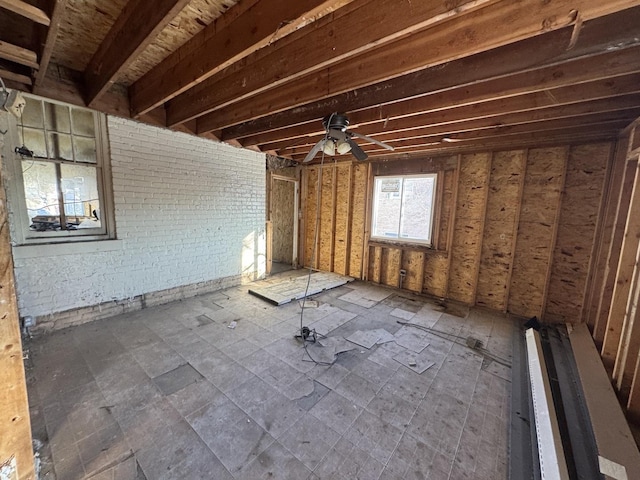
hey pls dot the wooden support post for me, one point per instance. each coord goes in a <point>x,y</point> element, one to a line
<point>377,264</point>
<point>347,240</point>
<point>630,341</point>
<point>438,209</point>
<point>364,270</point>
<point>597,239</point>
<point>334,202</point>
<point>452,221</point>
<point>269,228</point>
<point>304,176</point>
<point>613,186</point>
<point>613,254</point>
<point>554,234</point>
<point>15,439</point>
<point>622,288</point>
<point>516,225</point>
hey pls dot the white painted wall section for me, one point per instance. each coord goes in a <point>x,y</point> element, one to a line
<point>187,210</point>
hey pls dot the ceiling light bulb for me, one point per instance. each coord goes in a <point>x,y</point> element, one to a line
<point>343,147</point>
<point>329,147</point>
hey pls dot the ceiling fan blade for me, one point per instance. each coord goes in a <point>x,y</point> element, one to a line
<point>373,140</point>
<point>314,151</point>
<point>357,151</point>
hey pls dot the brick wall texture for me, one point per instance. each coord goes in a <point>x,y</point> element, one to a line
<point>188,211</point>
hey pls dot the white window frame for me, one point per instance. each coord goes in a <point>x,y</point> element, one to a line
<point>22,234</point>
<point>374,210</point>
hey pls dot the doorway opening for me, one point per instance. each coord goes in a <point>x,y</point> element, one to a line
<point>283,221</point>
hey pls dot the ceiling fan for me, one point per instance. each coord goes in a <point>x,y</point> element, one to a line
<point>339,140</point>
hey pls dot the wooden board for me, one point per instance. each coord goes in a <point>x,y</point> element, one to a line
<point>435,275</point>
<point>311,179</point>
<point>341,230</point>
<point>326,220</point>
<point>583,189</point>
<point>294,288</point>
<point>507,169</point>
<point>281,209</point>
<point>542,184</point>
<point>468,226</point>
<point>358,202</point>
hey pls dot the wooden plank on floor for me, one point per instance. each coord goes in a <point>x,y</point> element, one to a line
<point>291,289</point>
<point>616,446</point>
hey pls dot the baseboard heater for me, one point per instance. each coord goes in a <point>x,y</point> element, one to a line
<point>566,422</point>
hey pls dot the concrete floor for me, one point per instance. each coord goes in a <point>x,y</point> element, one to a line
<point>172,393</point>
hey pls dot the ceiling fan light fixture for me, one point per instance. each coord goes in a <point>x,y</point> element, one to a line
<point>329,147</point>
<point>342,146</point>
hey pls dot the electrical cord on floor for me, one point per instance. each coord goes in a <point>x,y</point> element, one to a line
<point>449,336</point>
<point>314,251</point>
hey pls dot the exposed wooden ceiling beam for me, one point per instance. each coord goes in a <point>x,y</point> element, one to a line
<point>20,55</point>
<point>136,27</point>
<point>546,136</point>
<point>369,24</point>
<point>599,35</point>
<point>462,35</point>
<point>16,77</point>
<point>574,99</point>
<point>57,13</point>
<point>26,10</point>
<point>254,25</point>
<point>552,118</point>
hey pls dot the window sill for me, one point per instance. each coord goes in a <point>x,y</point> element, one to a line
<point>70,248</point>
<point>419,247</point>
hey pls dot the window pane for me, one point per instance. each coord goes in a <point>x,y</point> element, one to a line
<point>57,118</point>
<point>417,195</point>
<point>83,122</point>
<point>34,141</point>
<point>387,208</point>
<point>32,114</point>
<point>41,194</point>
<point>60,146</point>
<point>85,149</point>
<point>80,192</point>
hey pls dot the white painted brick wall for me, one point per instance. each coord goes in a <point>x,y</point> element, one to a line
<point>184,206</point>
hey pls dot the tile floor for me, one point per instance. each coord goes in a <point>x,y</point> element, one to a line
<point>172,393</point>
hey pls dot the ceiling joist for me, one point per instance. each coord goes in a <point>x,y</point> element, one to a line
<point>19,55</point>
<point>219,45</point>
<point>138,24</point>
<point>460,36</point>
<point>57,13</point>
<point>370,23</point>
<point>26,10</point>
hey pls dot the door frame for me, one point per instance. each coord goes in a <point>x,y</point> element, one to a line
<point>296,219</point>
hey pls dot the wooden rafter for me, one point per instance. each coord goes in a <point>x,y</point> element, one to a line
<point>254,25</point>
<point>581,99</point>
<point>16,77</point>
<point>368,24</point>
<point>57,13</point>
<point>18,54</point>
<point>26,10</point>
<point>473,32</point>
<point>136,27</point>
<point>600,38</point>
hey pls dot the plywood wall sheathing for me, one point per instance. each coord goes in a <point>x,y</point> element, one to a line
<point>341,232</point>
<point>310,183</point>
<point>503,208</point>
<point>469,221</point>
<point>358,207</point>
<point>601,270</point>
<point>326,220</point>
<point>281,208</point>
<point>583,187</point>
<point>448,190</point>
<point>435,274</point>
<point>541,194</point>
<point>413,264</point>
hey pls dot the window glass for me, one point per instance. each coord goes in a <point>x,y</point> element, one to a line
<point>62,181</point>
<point>403,208</point>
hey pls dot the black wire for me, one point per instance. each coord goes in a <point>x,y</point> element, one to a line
<point>438,333</point>
<point>315,246</point>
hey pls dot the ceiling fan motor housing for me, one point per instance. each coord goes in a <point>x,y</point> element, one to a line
<point>336,121</point>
